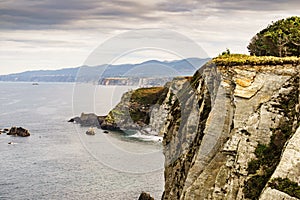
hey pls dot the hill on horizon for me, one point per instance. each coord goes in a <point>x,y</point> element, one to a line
<point>151,68</point>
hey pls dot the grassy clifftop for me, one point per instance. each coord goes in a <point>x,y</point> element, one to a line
<point>242,59</point>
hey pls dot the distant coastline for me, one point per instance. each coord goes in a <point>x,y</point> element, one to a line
<point>149,73</point>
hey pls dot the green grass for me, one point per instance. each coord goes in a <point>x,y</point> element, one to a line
<point>242,59</point>
<point>147,95</point>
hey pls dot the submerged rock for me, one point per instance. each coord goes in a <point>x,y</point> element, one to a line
<point>22,132</point>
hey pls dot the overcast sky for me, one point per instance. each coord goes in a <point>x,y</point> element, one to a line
<point>51,34</point>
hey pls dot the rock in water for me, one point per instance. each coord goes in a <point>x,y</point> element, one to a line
<point>11,143</point>
<point>145,196</point>
<point>90,131</point>
<point>22,132</point>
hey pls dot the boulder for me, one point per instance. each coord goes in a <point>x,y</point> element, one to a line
<point>145,196</point>
<point>22,132</point>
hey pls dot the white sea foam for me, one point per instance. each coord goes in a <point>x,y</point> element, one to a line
<point>147,137</point>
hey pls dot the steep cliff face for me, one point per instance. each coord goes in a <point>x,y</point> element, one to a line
<point>232,133</point>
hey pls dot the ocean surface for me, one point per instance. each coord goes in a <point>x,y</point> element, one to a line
<point>58,160</point>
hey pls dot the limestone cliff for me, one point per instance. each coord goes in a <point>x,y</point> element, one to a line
<point>232,132</point>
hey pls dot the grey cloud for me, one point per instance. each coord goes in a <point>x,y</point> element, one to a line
<point>177,6</point>
<point>43,14</point>
<point>39,41</point>
<point>229,5</point>
<point>255,5</point>
<point>66,14</point>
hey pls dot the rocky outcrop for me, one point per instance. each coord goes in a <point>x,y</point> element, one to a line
<point>18,132</point>
<point>88,120</point>
<point>134,112</point>
<point>92,120</point>
<point>135,109</point>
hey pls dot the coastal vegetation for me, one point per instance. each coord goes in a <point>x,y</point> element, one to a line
<point>281,38</point>
<point>141,100</point>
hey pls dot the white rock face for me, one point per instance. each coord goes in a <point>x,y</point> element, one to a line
<point>246,106</point>
<point>289,166</point>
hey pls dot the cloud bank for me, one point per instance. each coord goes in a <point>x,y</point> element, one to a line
<point>54,33</point>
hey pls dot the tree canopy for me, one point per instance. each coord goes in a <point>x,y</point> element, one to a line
<point>281,38</point>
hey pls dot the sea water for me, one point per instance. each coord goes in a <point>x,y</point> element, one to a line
<point>58,160</point>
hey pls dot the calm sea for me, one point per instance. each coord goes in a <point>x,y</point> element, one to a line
<point>58,160</point>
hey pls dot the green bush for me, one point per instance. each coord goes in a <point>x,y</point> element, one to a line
<point>287,186</point>
<point>254,186</point>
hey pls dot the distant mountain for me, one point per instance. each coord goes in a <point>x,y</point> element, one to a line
<point>151,68</point>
